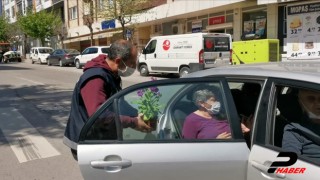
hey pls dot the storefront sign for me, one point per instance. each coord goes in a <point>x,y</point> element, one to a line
<point>217,20</point>
<point>108,24</point>
<point>303,31</point>
<point>196,26</point>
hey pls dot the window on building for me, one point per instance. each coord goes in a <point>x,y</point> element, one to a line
<point>73,12</point>
<point>8,13</point>
<point>158,28</point>
<point>254,25</point>
<point>13,12</point>
<point>20,9</point>
<point>101,4</point>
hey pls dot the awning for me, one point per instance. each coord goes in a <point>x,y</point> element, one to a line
<point>96,36</point>
<point>220,26</point>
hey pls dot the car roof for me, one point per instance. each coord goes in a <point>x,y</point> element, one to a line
<point>42,47</point>
<point>99,46</point>
<point>295,70</point>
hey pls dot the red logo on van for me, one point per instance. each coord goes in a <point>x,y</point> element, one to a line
<point>209,44</point>
<point>166,45</point>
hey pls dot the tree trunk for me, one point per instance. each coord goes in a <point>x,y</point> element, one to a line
<point>91,34</point>
<point>42,41</point>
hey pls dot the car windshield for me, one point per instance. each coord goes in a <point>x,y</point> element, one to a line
<point>45,50</point>
<point>73,51</point>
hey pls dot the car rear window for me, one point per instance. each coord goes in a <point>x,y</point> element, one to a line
<point>214,44</point>
<point>105,50</point>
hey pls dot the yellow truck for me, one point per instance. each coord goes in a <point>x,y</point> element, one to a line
<point>255,51</point>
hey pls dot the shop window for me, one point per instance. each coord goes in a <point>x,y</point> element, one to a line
<point>254,25</point>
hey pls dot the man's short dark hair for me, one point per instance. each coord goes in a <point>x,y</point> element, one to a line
<point>122,49</point>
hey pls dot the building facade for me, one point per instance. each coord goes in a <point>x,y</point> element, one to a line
<point>241,18</point>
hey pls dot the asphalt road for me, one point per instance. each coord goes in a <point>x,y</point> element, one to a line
<point>34,107</point>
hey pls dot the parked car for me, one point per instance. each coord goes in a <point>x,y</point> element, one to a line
<point>40,54</point>
<point>124,153</point>
<point>11,56</point>
<point>90,53</point>
<point>62,57</point>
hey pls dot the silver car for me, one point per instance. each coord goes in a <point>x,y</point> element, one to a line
<point>267,92</point>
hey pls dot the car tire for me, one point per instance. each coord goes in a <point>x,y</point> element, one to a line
<point>78,65</point>
<point>184,71</point>
<point>32,62</point>
<point>61,63</point>
<point>39,61</point>
<point>144,70</point>
<point>48,62</point>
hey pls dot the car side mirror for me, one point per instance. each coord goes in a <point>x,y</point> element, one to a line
<point>144,51</point>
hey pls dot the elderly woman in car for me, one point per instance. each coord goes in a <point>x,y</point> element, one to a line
<point>207,122</point>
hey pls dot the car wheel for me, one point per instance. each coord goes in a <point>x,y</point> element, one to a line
<point>184,71</point>
<point>144,70</point>
<point>78,66</point>
<point>19,60</point>
<point>39,61</point>
<point>48,62</point>
<point>60,63</point>
<point>32,62</point>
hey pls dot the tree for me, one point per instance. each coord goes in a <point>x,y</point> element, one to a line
<point>88,17</point>
<point>4,29</point>
<point>122,11</point>
<point>40,25</point>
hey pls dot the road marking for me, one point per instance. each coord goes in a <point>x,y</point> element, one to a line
<point>34,82</point>
<point>25,141</point>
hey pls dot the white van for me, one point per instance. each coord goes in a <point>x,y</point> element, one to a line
<point>40,54</point>
<point>185,53</point>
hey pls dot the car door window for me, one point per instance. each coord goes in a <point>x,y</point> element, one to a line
<point>296,121</point>
<point>172,112</point>
<point>59,52</point>
<point>151,48</point>
<point>105,50</point>
<point>93,50</point>
<point>86,51</point>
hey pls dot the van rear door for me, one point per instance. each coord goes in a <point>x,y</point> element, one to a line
<point>217,50</point>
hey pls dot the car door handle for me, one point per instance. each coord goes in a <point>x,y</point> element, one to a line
<point>264,169</point>
<point>100,164</point>
<point>155,55</point>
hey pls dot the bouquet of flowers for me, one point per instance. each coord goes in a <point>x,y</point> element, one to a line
<point>148,104</point>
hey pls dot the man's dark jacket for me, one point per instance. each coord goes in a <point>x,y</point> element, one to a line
<point>78,114</point>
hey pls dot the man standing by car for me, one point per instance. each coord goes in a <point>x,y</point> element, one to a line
<point>97,84</point>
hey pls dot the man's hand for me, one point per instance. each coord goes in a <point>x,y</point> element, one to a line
<point>141,125</point>
<point>246,123</point>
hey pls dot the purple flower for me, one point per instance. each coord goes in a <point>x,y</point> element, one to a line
<point>154,89</point>
<point>140,92</point>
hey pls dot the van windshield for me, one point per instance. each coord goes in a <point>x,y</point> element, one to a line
<point>45,50</point>
<point>214,44</point>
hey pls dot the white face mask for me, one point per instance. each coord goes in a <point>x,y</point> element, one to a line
<point>128,71</point>
<point>215,108</point>
<point>311,115</point>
